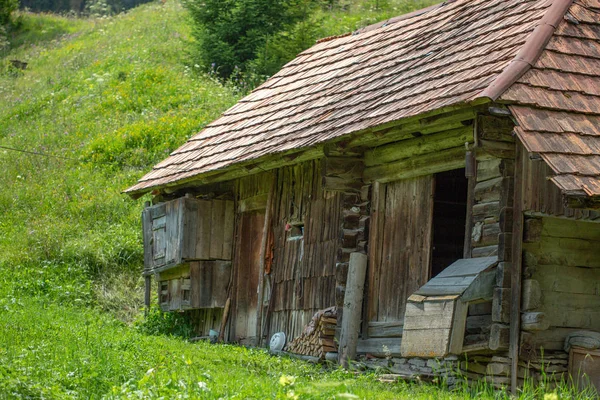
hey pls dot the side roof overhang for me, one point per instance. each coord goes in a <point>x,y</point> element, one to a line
<point>407,70</point>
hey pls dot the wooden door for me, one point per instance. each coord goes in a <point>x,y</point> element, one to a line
<point>400,245</point>
<point>247,264</point>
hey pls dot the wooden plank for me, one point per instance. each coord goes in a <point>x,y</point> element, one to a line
<point>221,276</point>
<point>189,227</point>
<point>584,367</point>
<point>428,314</point>
<point>425,343</point>
<point>446,286</point>
<point>472,181</point>
<point>147,239</point>
<point>375,249</point>
<point>216,229</point>
<point>263,254</point>
<point>379,347</point>
<point>517,257</point>
<point>428,328</point>
<point>486,251</point>
<point>174,294</point>
<point>379,329</point>
<point>466,267</point>
<point>357,270</point>
<point>247,265</point>
<point>459,322</point>
<point>405,245</point>
<point>147,292</point>
<point>203,229</point>
<point>228,223</point>
<point>481,289</point>
<point>179,271</point>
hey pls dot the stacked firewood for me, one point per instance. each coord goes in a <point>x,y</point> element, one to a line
<point>317,338</point>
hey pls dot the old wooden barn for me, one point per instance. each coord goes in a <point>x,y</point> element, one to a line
<point>429,182</point>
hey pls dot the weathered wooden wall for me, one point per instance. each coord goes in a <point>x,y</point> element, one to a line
<point>205,320</point>
<point>542,196</point>
<point>403,247</point>
<point>561,275</point>
<point>302,277</point>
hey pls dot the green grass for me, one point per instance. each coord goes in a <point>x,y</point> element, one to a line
<point>100,102</point>
<point>111,97</point>
<point>52,351</point>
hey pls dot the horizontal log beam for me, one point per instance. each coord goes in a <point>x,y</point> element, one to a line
<point>426,164</point>
<point>420,145</point>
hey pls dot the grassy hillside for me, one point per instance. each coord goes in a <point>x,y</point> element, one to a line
<point>107,99</point>
<point>100,102</point>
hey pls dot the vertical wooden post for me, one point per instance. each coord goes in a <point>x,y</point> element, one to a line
<point>147,293</point>
<point>373,250</point>
<point>221,336</point>
<point>353,297</point>
<point>147,231</point>
<point>472,181</point>
<point>263,253</point>
<point>517,258</point>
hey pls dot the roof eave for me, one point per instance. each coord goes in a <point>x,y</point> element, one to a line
<point>253,166</point>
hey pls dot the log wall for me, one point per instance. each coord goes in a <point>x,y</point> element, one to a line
<point>491,221</point>
<point>561,281</point>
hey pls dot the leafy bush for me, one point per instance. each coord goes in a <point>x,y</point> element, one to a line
<point>7,7</point>
<point>157,322</point>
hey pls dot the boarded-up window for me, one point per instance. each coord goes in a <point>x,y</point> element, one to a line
<point>186,229</point>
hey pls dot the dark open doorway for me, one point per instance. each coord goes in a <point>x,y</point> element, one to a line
<point>449,216</point>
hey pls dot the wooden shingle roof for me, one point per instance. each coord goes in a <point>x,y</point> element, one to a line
<point>557,102</point>
<point>446,55</point>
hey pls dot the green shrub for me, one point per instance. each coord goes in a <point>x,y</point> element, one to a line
<point>156,322</point>
<point>231,33</point>
<point>7,7</point>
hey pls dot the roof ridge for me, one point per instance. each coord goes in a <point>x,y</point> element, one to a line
<point>386,22</point>
<point>531,50</point>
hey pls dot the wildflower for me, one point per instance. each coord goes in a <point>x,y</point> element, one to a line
<point>292,395</point>
<point>286,380</point>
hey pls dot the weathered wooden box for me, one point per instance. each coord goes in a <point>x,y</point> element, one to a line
<point>435,318</point>
<point>186,229</point>
<point>584,367</point>
<point>198,284</point>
